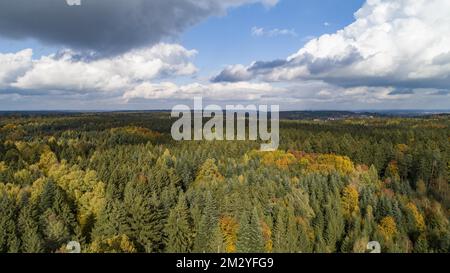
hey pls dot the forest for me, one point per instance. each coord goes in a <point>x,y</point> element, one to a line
<point>118,183</point>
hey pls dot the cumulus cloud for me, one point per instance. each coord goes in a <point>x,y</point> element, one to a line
<point>402,43</point>
<point>233,73</point>
<point>395,55</point>
<point>216,91</point>
<point>107,26</point>
<point>299,95</point>
<point>14,65</point>
<point>67,71</point>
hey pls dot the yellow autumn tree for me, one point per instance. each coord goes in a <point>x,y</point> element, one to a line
<point>418,217</point>
<point>392,170</point>
<point>11,190</point>
<point>324,163</point>
<point>350,201</point>
<point>229,227</point>
<point>267,236</point>
<point>280,159</point>
<point>387,228</point>
<point>116,244</point>
<point>81,186</point>
<point>341,164</point>
<point>208,174</point>
<point>3,166</point>
<point>47,161</point>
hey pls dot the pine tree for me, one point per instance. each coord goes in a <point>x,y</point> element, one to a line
<point>146,217</point>
<point>205,241</point>
<point>334,224</point>
<point>304,243</point>
<point>57,217</point>
<point>319,244</point>
<point>112,221</point>
<point>279,234</point>
<point>178,228</point>
<point>291,232</point>
<point>421,244</point>
<point>164,174</point>
<point>250,239</point>
<point>31,238</point>
<point>8,233</point>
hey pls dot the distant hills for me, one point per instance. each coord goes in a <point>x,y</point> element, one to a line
<point>290,115</point>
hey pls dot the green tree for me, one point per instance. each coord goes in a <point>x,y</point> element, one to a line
<point>9,241</point>
<point>250,239</point>
<point>279,234</point>
<point>205,241</point>
<point>146,217</point>
<point>178,228</point>
<point>31,238</point>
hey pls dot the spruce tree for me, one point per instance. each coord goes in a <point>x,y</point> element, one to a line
<point>111,222</point>
<point>250,239</point>
<point>209,222</point>
<point>9,241</point>
<point>178,228</point>
<point>31,238</point>
<point>291,232</point>
<point>279,234</point>
<point>146,217</point>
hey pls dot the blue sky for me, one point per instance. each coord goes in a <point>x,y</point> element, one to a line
<point>300,54</point>
<point>227,39</point>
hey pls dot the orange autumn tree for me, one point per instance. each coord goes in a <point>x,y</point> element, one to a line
<point>267,235</point>
<point>280,159</point>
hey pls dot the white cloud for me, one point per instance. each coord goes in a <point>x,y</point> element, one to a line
<point>402,43</point>
<point>216,91</point>
<point>395,55</point>
<point>69,72</point>
<point>261,32</point>
<point>300,95</point>
<point>14,65</point>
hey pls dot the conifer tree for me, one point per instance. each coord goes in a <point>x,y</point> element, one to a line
<point>31,238</point>
<point>9,241</point>
<point>178,228</point>
<point>146,217</point>
<point>279,234</point>
<point>250,239</point>
<point>209,223</point>
<point>112,221</point>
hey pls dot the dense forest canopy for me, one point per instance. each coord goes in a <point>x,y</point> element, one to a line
<point>117,182</point>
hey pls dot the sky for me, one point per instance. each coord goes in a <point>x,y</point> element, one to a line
<point>155,54</point>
